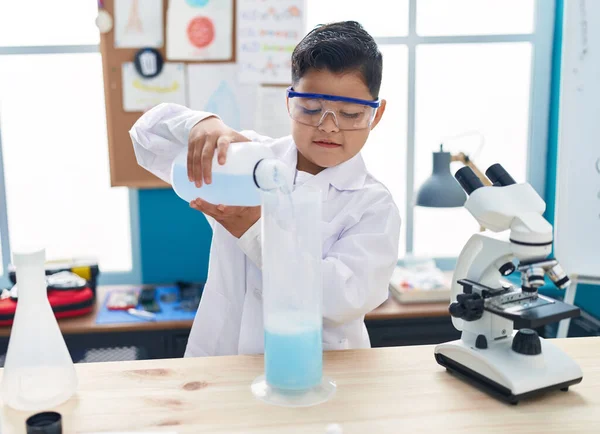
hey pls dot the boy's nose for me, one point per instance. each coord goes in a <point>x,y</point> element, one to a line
<point>329,123</point>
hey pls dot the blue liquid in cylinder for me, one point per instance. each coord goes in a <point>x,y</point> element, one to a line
<point>225,188</point>
<point>293,353</point>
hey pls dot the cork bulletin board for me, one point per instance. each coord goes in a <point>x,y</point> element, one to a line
<point>250,44</point>
<point>124,170</point>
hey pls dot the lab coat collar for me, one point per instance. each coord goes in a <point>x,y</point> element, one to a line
<point>350,175</point>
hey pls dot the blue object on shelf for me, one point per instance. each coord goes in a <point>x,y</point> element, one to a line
<point>168,311</point>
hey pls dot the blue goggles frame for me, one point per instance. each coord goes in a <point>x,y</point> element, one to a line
<point>291,93</point>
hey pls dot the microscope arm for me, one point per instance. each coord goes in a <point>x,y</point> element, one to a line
<point>485,259</point>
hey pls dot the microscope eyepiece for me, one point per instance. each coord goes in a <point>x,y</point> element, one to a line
<point>468,180</point>
<point>499,176</point>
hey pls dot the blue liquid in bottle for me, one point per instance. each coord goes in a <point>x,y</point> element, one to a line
<point>225,188</point>
<point>293,352</point>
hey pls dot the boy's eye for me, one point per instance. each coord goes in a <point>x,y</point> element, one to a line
<point>307,111</point>
<point>352,115</point>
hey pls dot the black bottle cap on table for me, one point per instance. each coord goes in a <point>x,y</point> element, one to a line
<point>48,422</point>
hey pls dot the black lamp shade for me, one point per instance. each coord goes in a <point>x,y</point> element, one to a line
<point>441,190</point>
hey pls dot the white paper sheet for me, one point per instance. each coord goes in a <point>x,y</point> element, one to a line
<point>200,30</point>
<point>268,32</point>
<point>140,94</point>
<point>216,89</point>
<point>272,118</point>
<point>138,23</point>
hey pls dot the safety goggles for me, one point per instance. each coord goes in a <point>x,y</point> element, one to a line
<point>347,113</point>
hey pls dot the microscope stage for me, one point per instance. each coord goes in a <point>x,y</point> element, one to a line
<point>534,313</point>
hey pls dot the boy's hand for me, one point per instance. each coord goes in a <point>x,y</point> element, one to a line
<point>205,137</point>
<point>235,219</point>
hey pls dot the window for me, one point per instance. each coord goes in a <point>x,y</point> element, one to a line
<point>475,17</point>
<point>372,17</point>
<point>55,169</point>
<point>39,22</point>
<point>472,74</point>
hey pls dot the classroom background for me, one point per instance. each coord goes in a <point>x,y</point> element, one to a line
<point>482,78</point>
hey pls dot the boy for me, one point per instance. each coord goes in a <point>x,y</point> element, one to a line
<point>336,76</point>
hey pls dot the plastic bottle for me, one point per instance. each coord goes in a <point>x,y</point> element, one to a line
<point>38,371</point>
<point>249,168</point>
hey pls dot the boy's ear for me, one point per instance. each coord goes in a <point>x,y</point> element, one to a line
<point>379,113</point>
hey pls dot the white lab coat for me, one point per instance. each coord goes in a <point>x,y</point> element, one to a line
<point>360,232</point>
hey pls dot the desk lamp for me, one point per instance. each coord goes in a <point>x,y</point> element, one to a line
<point>441,190</point>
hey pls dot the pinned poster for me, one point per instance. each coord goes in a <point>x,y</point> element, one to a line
<point>138,25</point>
<point>217,89</point>
<point>268,32</point>
<point>273,119</point>
<point>200,30</point>
<point>141,94</point>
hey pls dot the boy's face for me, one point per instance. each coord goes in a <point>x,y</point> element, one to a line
<point>326,145</point>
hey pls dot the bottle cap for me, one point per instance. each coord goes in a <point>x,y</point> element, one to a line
<point>48,422</point>
<point>270,174</point>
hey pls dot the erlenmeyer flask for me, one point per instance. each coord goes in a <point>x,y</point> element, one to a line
<point>38,371</point>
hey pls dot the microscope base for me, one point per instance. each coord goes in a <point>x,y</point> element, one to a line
<point>509,376</point>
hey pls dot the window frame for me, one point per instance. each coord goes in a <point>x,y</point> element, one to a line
<point>134,276</point>
<point>539,102</point>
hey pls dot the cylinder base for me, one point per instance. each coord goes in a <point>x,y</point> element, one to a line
<point>288,398</point>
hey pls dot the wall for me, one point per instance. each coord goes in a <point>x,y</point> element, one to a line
<point>174,238</point>
<point>588,296</point>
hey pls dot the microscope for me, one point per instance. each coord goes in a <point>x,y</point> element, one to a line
<point>499,350</point>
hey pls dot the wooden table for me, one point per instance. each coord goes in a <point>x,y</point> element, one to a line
<point>392,309</point>
<point>386,390</point>
<point>390,324</point>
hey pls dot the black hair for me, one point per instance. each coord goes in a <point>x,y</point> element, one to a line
<point>339,47</point>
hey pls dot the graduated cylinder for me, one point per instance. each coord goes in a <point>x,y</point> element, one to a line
<point>292,288</point>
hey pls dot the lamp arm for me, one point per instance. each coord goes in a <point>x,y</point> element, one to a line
<point>464,159</point>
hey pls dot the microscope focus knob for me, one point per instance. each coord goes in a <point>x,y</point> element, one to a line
<point>527,342</point>
<point>457,310</point>
<point>469,307</point>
